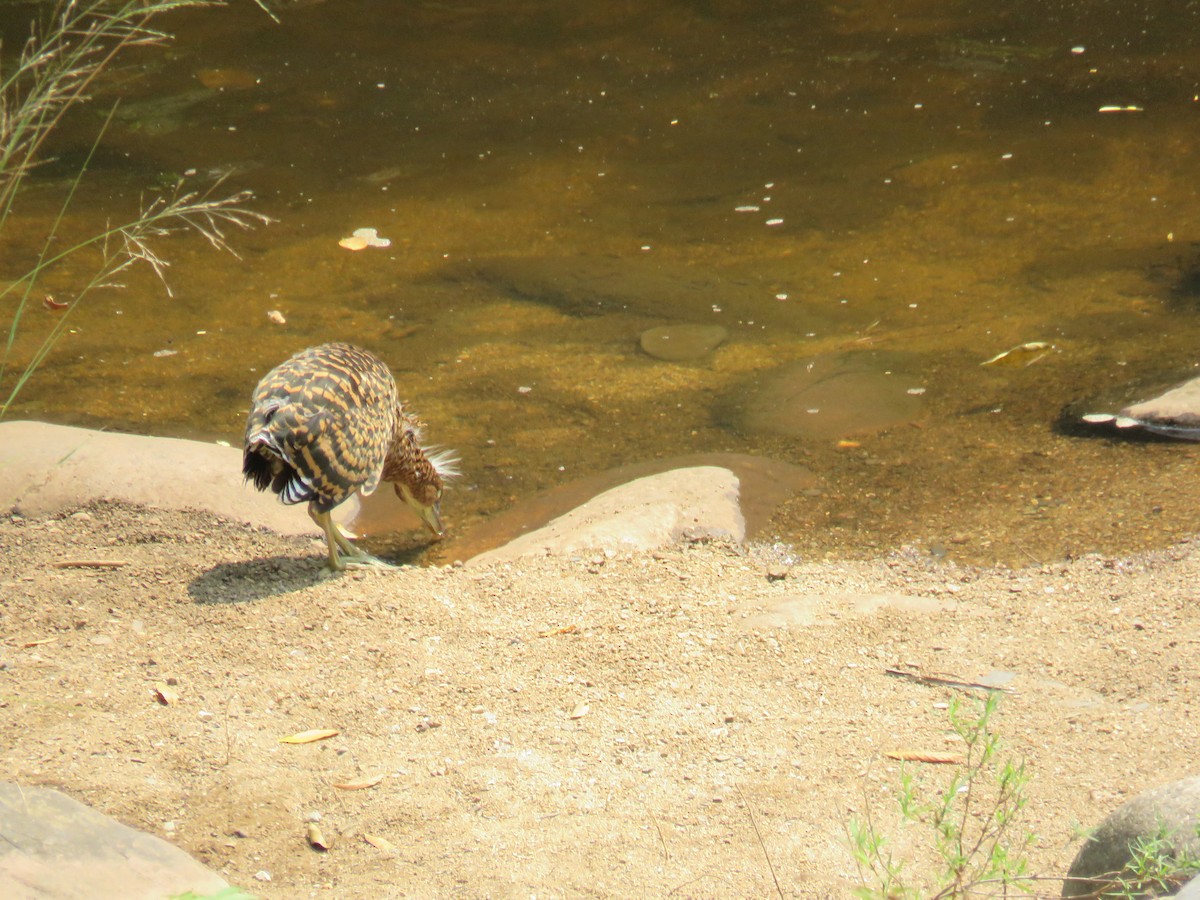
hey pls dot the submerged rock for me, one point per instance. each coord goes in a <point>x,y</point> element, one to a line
<point>831,396</point>
<point>679,343</point>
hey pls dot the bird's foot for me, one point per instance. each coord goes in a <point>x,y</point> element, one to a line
<point>360,559</point>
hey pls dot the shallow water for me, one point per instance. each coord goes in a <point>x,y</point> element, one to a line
<point>556,178</point>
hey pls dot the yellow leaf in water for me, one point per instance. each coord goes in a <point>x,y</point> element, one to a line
<point>307,737</point>
<point>1021,355</point>
<point>381,843</point>
<point>360,784</point>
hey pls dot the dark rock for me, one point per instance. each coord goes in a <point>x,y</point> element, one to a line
<point>55,847</point>
<point>1170,812</point>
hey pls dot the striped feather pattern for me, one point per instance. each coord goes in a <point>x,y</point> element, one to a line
<point>320,426</point>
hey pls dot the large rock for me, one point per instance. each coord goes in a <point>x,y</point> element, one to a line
<point>648,513</point>
<point>47,468</point>
<point>56,848</point>
<point>763,484</point>
<point>1173,413</point>
<point>1171,811</point>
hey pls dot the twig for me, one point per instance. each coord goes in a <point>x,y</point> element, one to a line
<point>762,846</point>
<point>949,682</point>
<point>90,564</point>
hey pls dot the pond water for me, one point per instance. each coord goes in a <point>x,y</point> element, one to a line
<point>904,189</point>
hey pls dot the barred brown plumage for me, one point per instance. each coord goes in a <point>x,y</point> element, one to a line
<point>328,422</point>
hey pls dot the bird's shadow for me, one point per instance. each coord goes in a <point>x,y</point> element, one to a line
<point>255,579</point>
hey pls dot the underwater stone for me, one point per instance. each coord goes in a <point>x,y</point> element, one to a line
<point>678,343</point>
<point>831,396</point>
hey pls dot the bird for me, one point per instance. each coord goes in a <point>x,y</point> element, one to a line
<point>327,423</point>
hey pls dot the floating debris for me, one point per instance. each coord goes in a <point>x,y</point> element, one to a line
<point>227,79</point>
<point>163,353</point>
<point>363,238</point>
<point>1113,109</point>
<point>276,316</point>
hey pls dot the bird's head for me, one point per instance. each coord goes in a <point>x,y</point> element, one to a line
<point>425,497</point>
<point>420,482</point>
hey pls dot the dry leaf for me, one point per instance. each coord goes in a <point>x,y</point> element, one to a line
<point>307,737</point>
<point>316,838</point>
<point>580,711</point>
<point>926,756</point>
<point>360,784</point>
<point>164,695</point>
<point>565,629</point>
<point>381,843</point>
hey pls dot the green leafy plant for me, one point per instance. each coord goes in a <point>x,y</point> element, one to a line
<point>55,70</point>
<point>972,844</point>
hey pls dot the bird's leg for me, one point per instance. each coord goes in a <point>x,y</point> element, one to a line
<point>350,555</point>
<point>333,538</point>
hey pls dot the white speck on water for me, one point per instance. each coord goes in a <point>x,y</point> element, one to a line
<point>1079,50</point>
<point>745,209</point>
<point>646,246</point>
<point>781,296</point>
<point>912,306</point>
<point>524,389</point>
<point>1006,156</point>
<point>812,412</point>
<point>161,353</point>
<point>916,392</point>
<point>774,221</point>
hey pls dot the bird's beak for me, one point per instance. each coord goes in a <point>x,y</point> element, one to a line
<point>432,517</point>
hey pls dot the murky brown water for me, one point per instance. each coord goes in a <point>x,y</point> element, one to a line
<point>557,177</point>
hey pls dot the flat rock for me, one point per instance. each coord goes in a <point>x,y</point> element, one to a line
<point>680,343</point>
<point>645,514</point>
<point>45,469</point>
<point>55,847</point>
<point>830,396</point>
<point>763,484</point>
<point>1172,810</point>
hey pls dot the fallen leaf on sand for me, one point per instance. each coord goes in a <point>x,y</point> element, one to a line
<point>565,629</point>
<point>307,737</point>
<point>381,843</point>
<point>360,784</point>
<point>164,695</point>
<point>315,837</point>
<point>580,711</point>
